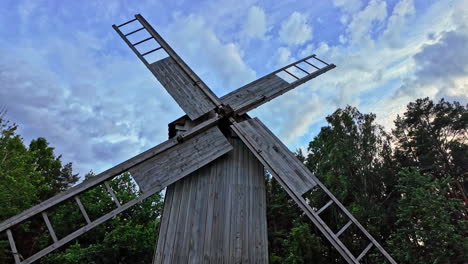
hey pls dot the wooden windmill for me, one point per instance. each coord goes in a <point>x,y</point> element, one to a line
<point>213,167</point>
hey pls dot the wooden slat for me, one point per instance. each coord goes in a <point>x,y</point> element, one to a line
<point>252,142</point>
<point>344,228</point>
<point>283,162</point>
<point>179,61</point>
<point>297,197</point>
<point>364,252</point>
<point>181,160</point>
<point>49,227</point>
<point>82,209</point>
<point>98,179</point>
<point>215,222</point>
<point>179,85</point>
<point>14,251</point>
<point>88,227</point>
<point>325,207</point>
<point>266,88</point>
<point>112,194</point>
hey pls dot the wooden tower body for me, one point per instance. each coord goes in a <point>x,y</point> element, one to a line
<point>217,214</point>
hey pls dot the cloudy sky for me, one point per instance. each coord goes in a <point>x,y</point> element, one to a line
<point>65,74</point>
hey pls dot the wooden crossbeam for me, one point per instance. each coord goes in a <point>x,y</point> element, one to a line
<point>108,174</point>
<point>49,226</point>
<point>13,246</point>
<point>82,209</point>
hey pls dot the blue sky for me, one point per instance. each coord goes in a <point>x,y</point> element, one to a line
<point>65,74</point>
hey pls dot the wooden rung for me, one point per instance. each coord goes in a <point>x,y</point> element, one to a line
<point>139,42</point>
<point>292,74</point>
<point>302,69</point>
<point>146,53</point>
<point>134,31</point>
<point>325,207</point>
<point>321,61</point>
<point>128,22</point>
<point>13,246</point>
<point>312,65</point>
<point>109,189</point>
<point>49,226</point>
<point>364,252</point>
<point>82,209</point>
<point>343,228</point>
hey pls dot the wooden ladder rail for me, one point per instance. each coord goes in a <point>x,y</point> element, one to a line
<point>352,220</point>
<point>163,44</point>
<point>314,215</point>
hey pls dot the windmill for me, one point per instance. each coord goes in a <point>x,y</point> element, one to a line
<point>213,167</point>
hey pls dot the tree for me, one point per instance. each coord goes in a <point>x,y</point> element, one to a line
<point>433,137</point>
<point>430,226</point>
<point>352,156</point>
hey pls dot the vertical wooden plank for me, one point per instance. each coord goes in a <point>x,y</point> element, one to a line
<point>171,233</point>
<point>158,256</point>
<point>13,247</point>
<point>49,226</point>
<point>111,192</point>
<point>82,209</point>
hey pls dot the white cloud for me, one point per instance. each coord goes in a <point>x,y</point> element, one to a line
<point>397,21</point>
<point>361,24</point>
<point>348,6</point>
<point>219,63</point>
<point>295,30</point>
<point>256,23</point>
<point>284,56</point>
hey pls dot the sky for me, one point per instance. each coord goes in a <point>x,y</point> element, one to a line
<point>67,76</point>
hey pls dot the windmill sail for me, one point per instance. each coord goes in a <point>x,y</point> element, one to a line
<point>188,90</point>
<point>279,161</point>
<point>153,170</point>
<point>275,84</point>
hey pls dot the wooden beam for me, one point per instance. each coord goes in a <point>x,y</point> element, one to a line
<point>180,161</point>
<point>111,192</point>
<point>13,247</point>
<point>278,156</point>
<point>267,88</point>
<point>252,138</point>
<point>82,209</point>
<point>178,60</point>
<point>49,226</point>
<point>182,88</point>
<point>88,227</point>
<point>321,225</point>
<point>108,174</point>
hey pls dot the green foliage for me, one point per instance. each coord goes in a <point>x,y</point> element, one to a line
<point>430,227</point>
<point>302,246</point>
<point>433,137</point>
<point>408,189</point>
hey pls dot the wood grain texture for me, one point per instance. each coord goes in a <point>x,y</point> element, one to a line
<point>258,90</point>
<point>216,214</point>
<point>182,88</point>
<point>109,174</point>
<point>181,160</point>
<point>278,156</point>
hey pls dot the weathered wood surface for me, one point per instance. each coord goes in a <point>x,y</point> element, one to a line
<point>260,89</point>
<point>217,214</point>
<point>11,240</point>
<point>267,88</point>
<point>278,156</point>
<point>168,49</point>
<point>108,174</point>
<point>259,140</point>
<point>182,88</point>
<point>181,160</point>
